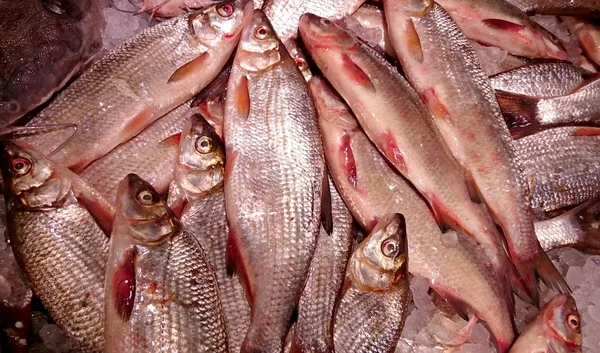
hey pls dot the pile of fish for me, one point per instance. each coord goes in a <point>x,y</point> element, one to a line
<point>265,178</point>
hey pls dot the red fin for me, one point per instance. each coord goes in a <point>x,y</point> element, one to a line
<point>241,97</point>
<point>586,131</point>
<point>356,73</point>
<point>503,25</point>
<point>137,123</point>
<point>519,111</point>
<point>413,42</point>
<point>189,69</point>
<point>231,156</point>
<point>124,286</point>
<point>172,140</point>
<point>541,267</point>
<point>349,163</point>
<point>235,265</point>
<point>393,153</point>
<point>437,109</point>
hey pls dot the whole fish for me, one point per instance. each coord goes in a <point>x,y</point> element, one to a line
<point>274,178</point>
<point>498,23</point>
<point>373,190</point>
<point>556,328</point>
<point>161,291</point>
<point>56,240</point>
<point>313,332</point>
<point>368,24</point>
<point>577,228</point>
<point>398,123</point>
<point>431,48</point>
<point>122,93</point>
<point>544,80</point>
<point>198,192</point>
<point>561,165</point>
<point>44,43</point>
<point>172,8</point>
<point>372,310</point>
<point>588,34</point>
<point>150,155</point>
<point>559,7</point>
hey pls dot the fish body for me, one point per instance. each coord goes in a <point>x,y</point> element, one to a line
<point>172,8</point>
<point>588,34</point>
<point>56,240</point>
<point>161,291</point>
<point>469,118</point>
<point>561,165</point>
<point>559,7</point>
<point>369,24</point>
<point>325,278</point>
<point>546,80</point>
<point>122,93</point>
<point>199,182</point>
<point>555,329</point>
<point>274,177</point>
<point>372,190</point>
<point>372,310</point>
<point>44,43</point>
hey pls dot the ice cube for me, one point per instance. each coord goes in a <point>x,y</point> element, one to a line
<point>55,339</point>
<point>575,277</point>
<point>419,287</point>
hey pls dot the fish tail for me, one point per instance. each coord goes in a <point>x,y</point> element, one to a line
<point>587,219</point>
<point>519,288</point>
<point>540,267</point>
<point>520,112</point>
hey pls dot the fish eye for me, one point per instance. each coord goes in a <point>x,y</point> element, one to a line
<point>21,166</point>
<point>301,63</point>
<point>204,144</point>
<point>145,197</point>
<point>390,248</point>
<point>11,106</point>
<point>325,22</point>
<point>573,321</point>
<point>261,32</point>
<point>225,10</point>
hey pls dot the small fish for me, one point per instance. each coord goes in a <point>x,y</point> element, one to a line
<point>161,291</point>
<point>577,228</point>
<point>313,330</point>
<point>562,166</point>
<point>498,23</point>
<point>588,34</point>
<point>543,80</point>
<point>137,83</point>
<point>371,313</point>
<point>198,192</point>
<point>52,225</point>
<point>555,329</point>
<point>274,177</point>
<point>559,7</point>
<point>368,24</point>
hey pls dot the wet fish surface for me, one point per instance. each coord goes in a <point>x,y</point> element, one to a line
<point>559,7</point>
<point>172,8</point>
<point>161,291</point>
<point>369,24</point>
<point>273,191</point>
<point>588,34</point>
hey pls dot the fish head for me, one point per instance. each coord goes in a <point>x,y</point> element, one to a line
<point>259,47</point>
<point>320,33</point>
<point>202,157</point>
<point>220,22</point>
<point>332,112</point>
<point>381,260</point>
<point>564,323</point>
<point>31,177</point>
<point>149,220</point>
<point>412,8</point>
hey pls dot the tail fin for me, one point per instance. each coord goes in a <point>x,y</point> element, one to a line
<point>586,219</point>
<point>519,112</point>
<point>542,268</point>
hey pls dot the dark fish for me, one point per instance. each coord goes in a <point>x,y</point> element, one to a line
<point>559,7</point>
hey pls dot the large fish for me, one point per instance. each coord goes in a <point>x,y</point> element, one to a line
<point>588,34</point>
<point>56,239</point>
<point>555,329</point>
<point>198,192</point>
<point>44,43</point>
<point>274,177</point>
<point>498,23</point>
<point>559,7</point>
<point>398,123</point>
<point>140,81</point>
<point>313,330</point>
<point>578,228</point>
<point>561,165</point>
<point>371,313</point>
<point>161,291</point>
<point>431,48</point>
<point>373,190</point>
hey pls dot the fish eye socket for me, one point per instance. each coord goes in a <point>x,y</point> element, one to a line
<point>204,144</point>
<point>325,22</point>
<point>390,248</point>
<point>573,321</point>
<point>145,197</point>
<point>21,166</point>
<point>225,10</point>
<point>301,63</point>
<point>261,32</point>
<point>10,106</point>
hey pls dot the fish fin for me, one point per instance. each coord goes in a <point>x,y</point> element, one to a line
<point>100,208</point>
<point>240,96</point>
<point>393,153</point>
<point>542,268</point>
<point>189,68</point>
<point>326,211</point>
<point>585,131</point>
<point>456,304</point>
<point>413,42</point>
<point>357,75</point>
<point>349,162</point>
<point>176,199</point>
<point>587,218</point>
<point>172,141</point>
<point>235,264</point>
<point>473,189</point>
<point>519,111</point>
<point>444,216</point>
<point>124,285</point>
<point>463,335</point>
<point>503,25</point>
<point>519,288</point>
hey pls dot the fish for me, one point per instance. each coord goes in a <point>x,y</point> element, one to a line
<point>559,7</point>
<point>500,24</point>
<point>561,166</point>
<point>525,115</point>
<point>37,59</point>
<point>55,225</point>
<point>588,35</point>
<point>313,330</point>
<point>399,124</point>
<point>543,79</point>
<point>431,47</point>
<point>150,155</point>
<point>373,308</point>
<point>161,291</point>
<point>211,101</point>
<point>198,192</point>
<point>368,24</point>
<point>372,190</point>
<point>555,328</point>
<point>172,8</point>
<point>577,228</point>
<point>122,93</point>
<point>274,176</point>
